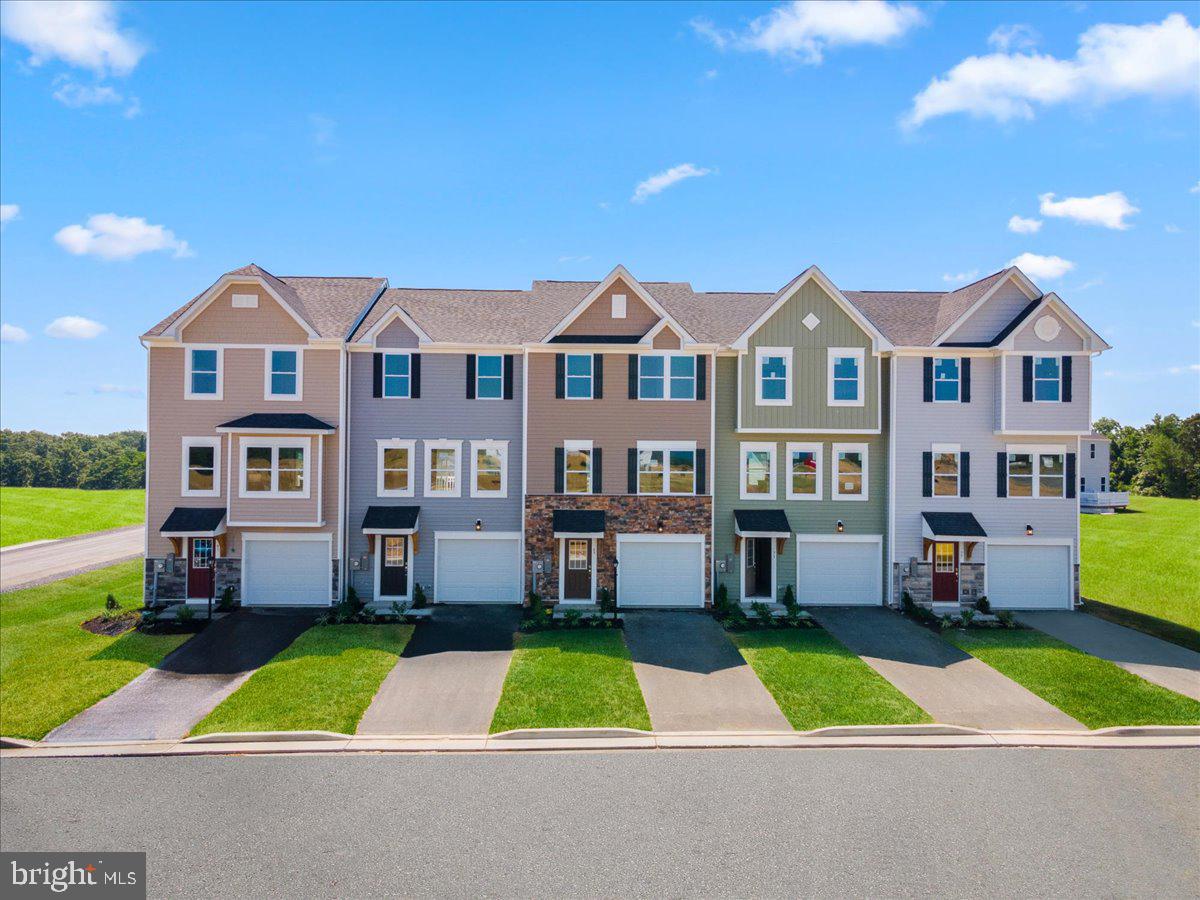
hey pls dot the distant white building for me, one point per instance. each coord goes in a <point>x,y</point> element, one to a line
<point>1095,477</point>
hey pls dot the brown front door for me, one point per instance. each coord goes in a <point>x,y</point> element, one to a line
<point>199,575</point>
<point>393,571</point>
<point>577,579</point>
<point>945,572</point>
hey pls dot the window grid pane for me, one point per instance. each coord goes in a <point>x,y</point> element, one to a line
<point>683,472</point>
<point>650,471</point>
<point>849,466</point>
<point>804,472</point>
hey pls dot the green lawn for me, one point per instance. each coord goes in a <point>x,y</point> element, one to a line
<point>571,679</point>
<point>1144,568</point>
<point>35,514</point>
<point>818,682</point>
<point>50,668</point>
<point>1095,691</point>
<point>323,682</point>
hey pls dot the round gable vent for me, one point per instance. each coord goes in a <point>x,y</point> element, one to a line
<point>1047,328</point>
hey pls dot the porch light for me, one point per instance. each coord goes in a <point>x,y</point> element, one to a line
<point>841,526</point>
<point>660,526</point>
<point>1028,530</point>
<point>479,524</point>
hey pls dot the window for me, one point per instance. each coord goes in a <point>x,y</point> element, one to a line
<point>579,376</point>
<point>1082,484</point>
<point>489,377</point>
<point>394,468</point>
<point>945,471</point>
<point>578,461</point>
<point>804,471</point>
<point>201,467</point>
<point>943,557</point>
<point>393,551</point>
<point>666,468</point>
<point>577,554</point>
<point>845,376</point>
<point>1093,451</point>
<point>202,553</point>
<point>849,471</point>
<point>758,472</point>
<point>666,376</point>
<point>442,468</point>
<point>946,380</point>
<point>773,376</point>
<point>397,375</point>
<point>275,467</point>
<point>1047,379</point>
<point>1037,473</point>
<point>244,301</point>
<point>203,373</point>
<point>489,468</point>
<point>618,306</point>
<point>1103,483</point>
<point>284,374</point>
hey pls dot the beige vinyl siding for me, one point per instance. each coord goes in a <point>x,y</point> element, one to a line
<point>396,335</point>
<point>666,340</point>
<point>597,318</point>
<point>221,323</point>
<point>994,316</point>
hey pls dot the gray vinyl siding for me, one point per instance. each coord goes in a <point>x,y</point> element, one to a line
<point>804,516</point>
<point>994,316</point>
<point>1038,417</point>
<point>441,412</point>
<point>1026,338</point>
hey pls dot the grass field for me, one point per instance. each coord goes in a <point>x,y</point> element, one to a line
<point>1094,691</point>
<point>50,668</point>
<point>1143,567</point>
<point>323,682</point>
<point>571,679</point>
<point>817,682</point>
<point>37,514</point>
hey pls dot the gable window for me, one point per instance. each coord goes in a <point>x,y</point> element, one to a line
<point>849,472</point>
<point>758,472</point>
<point>1037,474</point>
<point>442,459</point>
<point>489,377</point>
<point>618,306</point>
<point>1047,379</point>
<point>394,468</point>
<point>579,376</point>
<point>773,376</point>
<point>946,380</point>
<point>275,467</point>
<point>397,375</point>
<point>664,376</point>
<point>945,472</point>
<point>489,468</point>
<point>804,471</point>
<point>845,376</point>
<point>666,468</point>
<point>201,467</point>
<point>284,374</point>
<point>578,463</point>
<point>203,377</point>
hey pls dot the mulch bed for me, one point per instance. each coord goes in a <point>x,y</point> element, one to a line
<point>111,626</point>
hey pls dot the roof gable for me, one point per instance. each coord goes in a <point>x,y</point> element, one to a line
<point>961,306</point>
<point>1091,341</point>
<point>247,275</point>
<point>604,288</point>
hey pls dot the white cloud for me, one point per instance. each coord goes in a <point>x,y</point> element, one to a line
<point>75,327</point>
<point>8,212</point>
<point>1008,37</point>
<point>804,29</point>
<point>961,277</point>
<point>1107,210</point>
<point>1183,370</point>
<point>110,236</point>
<point>1048,267</point>
<point>1088,285</point>
<point>119,389</point>
<point>71,93</point>
<point>1113,61</point>
<point>1171,229</point>
<point>710,74</point>
<point>82,33</point>
<point>1195,188</point>
<point>656,184</point>
<point>1019,225</point>
<point>13,334</point>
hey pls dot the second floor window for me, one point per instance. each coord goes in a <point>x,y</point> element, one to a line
<point>945,473</point>
<point>283,374</point>
<point>578,467</point>
<point>442,468</point>
<point>1047,379</point>
<point>274,468</point>
<point>946,380</point>
<point>489,477</point>
<point>397,375</point>
<point>394,477</point>
<point>845,376</point>
<point>579,376</point>
<point>1037,475</point>
<point>804,461</point>
<point>666,470</point>
<point>201,467</point>
<point>204,373</point>
<point>489,377</point>
<point>849,472</point>
<point>758,472</point>
<point>663,376</point>
<point>773,376</point>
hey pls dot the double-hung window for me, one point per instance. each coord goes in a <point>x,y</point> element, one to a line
<point>804,471</point>
<point>397,375</point>
<point>666,376</point>
<point>284,374</point>
<point>946,461</point>
<point>1036,473</point>
<point>489,468</point>
<point>394,468</point>
<point>849,472</point>
<point>203,377</point>
<point>577,477</point>
<point>201,467</point>
<point>489,377</point>
<point>275,467</point>
<point>757,471</point>
<point>946,379</point>
<point>1047,379</point>
<point>442,468</point>
<point>666,468</point>
<point>845,376</point>
<point>579,376</point>
<point>773,376</point>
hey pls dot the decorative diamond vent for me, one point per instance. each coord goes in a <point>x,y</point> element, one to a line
<point>811,321</point>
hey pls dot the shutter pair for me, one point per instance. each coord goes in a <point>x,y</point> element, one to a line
<point>701,471</point>
<point>560,376</point>
<point>964,379</point>
<point>414,375</point>
<point>701,378</point>
<point>964,474</point>
<point>560,470</point>
<point>507,373</point>
<point>1002,475</point>
<point>1027,379</point>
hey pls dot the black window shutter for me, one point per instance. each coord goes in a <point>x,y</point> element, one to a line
<point>927,474</point>
<point>560,375</point>
<point>1001,474</point>
<point>633,479</point>
<point>701,377</point>
<point>927,366</point>
<point>559,468</point>
<point>965,393</point>
<point>597,376</point>
<point>1066,379</point>
<point>1026,379</point>
<point>701,471</point>
<point>964,474</point>
<point>1070,475</point>
<point>377,376</point>
<point>414,381</point>
<point>597,471</point>
<point>508,376</point>
<point>470,376</point>
<point>633,377</point>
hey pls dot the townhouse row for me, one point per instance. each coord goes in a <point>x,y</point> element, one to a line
<point>308,434</point>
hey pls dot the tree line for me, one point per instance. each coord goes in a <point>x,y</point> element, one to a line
<point>89,461</point>
<point>1161,459</point>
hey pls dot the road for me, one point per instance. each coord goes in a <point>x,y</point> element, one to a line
<point>40,563</point>
<point>762,823</point>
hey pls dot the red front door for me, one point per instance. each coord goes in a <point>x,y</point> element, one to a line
<point>199,575</point>
<point>945,572</point>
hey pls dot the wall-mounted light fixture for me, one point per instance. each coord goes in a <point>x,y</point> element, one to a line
<point>841,526</point>
<point>479,524</point>
<point>660,526</point>
<point>1029,530</point>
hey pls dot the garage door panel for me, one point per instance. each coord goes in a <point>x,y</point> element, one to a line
<point>660,573</point>
<point>1029,577</point>
<point>286,573</point>
<point>839,573</point>
<point>478,570</point>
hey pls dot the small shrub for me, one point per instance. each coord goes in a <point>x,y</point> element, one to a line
<point>763,613</point>
<point>418,597</point>
<point>149,620</point>
<point>184,614</point>
<point>571,618</point>
<point>946,623</point>
<point>1006,618</point>
<point>789,602</point>
<point>967,616</point>
<point>606,602</point>
<point>983,605</point>
<point>111,604</point>
<point>225,604</point>
<point>906,603</point>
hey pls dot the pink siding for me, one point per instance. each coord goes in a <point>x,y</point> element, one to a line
<point>667,340</point>
<point>221,323</point>
<point>597,318</point>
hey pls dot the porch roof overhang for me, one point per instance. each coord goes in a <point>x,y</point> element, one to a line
<point>290,423</point>
<point>579,523</point>
<point>391,520</point>
<point>951,526</point>
<point>194,521</point>
<point>766,523</point>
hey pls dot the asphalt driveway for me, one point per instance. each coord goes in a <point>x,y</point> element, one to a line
<point>41,562</point>
<point>165,702</point>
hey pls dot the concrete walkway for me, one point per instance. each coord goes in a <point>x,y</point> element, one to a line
<point>164,703</point>
<point>692,676</point>
<point>41,562</point>
<point>952,686</point>
<point>1169,665</point>
<point>449,677</point>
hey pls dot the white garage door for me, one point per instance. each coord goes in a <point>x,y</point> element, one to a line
<point>474,569</point>
<point>1029,577</point>
<point>838,572</point>
<point>286,572</point>
<point>660,570</point>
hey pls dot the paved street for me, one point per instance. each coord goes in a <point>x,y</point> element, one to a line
<point>668,823</point>
<point>39,563</point>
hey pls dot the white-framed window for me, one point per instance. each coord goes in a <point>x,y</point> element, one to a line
<point>244,301</point>
<point>284,375</point>
<point>577,554</point>
<point>1047,379</point>
<point>204,376</point>
<point>845,376</point>
<point>618,306</point>
<point>579,376</point>
<point>489,469</point>
<point>577,467</point>
<point>666,376</point>
<point>489,377</point>
<point>397,375</point>
<point>201,475</point>
<point>849,472</point>
<point>773,376</point>
<point>804,471</point>
<point>946,469</point>
<point>275,467</point>
<point>1037,472</point>
<point>757,476</point>
<point>394,474</point>
<point>947,379</point>
<point>443,468</point>
<point>666,468</point>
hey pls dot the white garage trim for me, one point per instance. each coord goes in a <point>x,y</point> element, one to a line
<point>622,539</point>
<point>262,537</point>
<point>514,536</point>
<point>841,539</point>
<point>1069,599</point>
<point>774,598</point>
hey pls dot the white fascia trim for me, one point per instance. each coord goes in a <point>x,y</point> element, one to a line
<point>443,444</point>
<point>803,430</point>
<point>858,353</point>
<point>501,447</point>
<point>864,449</point>
<point>382,444</point>
<point>219,530</point>
<point>1094,343</point>
<point>620,272</point>
<point>817,450</point>
<point>276,431</point>
<point>299,395</point>
<point>649,336</point>
<point>276,444</point>
<point>187,372</point>
<point>176,327</point>
<point>1012,273</point>
<point>394,312</point>
<point>188,443</point>
<point>753,447</point>
<point>789,371</point>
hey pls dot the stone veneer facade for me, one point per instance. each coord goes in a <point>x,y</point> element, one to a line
<point>172,580</point>
<point>625,514</point>
<point>970,583</point>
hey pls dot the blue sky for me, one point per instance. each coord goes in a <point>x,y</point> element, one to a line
<point>485,146</point>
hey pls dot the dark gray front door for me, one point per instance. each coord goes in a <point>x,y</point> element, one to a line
<point>758,567</point>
